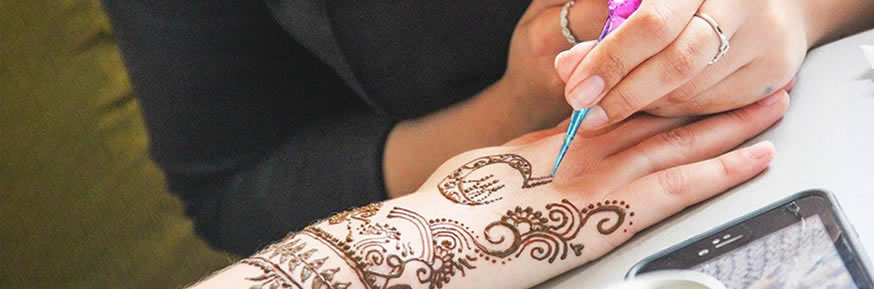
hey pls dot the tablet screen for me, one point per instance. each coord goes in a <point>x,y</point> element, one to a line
<point>801,255</point>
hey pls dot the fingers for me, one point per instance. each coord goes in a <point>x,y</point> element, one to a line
<point>649,30</point>
<point>704,139</point>
<point>743,87</point>
<point>587,152</point>
<point>690,92</point>
<point>567,61</point>
<point>669,69</point>
<point>660,195</point>
<point>637,129</point>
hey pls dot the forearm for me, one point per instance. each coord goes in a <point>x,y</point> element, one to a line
<point>490,218</point>
<point>427,240</point>
<point>829,20</point>
<point>416,147</point>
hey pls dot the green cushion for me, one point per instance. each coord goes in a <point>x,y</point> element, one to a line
<point>81,204</point>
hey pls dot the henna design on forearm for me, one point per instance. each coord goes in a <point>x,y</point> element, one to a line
<point>459,188</point>
<point>293,255</point>
<point>442,248</point>
<point>360,214</point>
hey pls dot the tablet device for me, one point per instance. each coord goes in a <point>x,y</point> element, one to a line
<point>803,241</point>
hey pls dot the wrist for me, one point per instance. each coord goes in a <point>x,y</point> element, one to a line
<point>815,20</point>
<point>828,20</point>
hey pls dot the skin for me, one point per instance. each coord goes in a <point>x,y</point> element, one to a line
<point>658,60</point>
<point>615,184</point>
<point>654,63</point>
<point>530,91</point>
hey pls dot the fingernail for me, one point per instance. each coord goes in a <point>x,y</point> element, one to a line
<point>595,119</point>
<point>771,99</point>
<point>559,57</point>
<point>584,94</point>
<point>759,150</point>
<point>582,49</point>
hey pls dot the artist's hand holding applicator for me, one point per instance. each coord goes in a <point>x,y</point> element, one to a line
<point>672,57</point>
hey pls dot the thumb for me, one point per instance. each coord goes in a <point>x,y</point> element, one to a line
<point>567,61</point>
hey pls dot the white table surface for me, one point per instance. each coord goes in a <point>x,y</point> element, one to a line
<point>825,140</point>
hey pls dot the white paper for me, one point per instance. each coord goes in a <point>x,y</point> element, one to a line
<point>869,53</point>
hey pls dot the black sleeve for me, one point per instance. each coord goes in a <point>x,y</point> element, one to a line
<point>255,134</point>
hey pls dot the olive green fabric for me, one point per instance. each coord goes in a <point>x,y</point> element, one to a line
<point>81,204</point>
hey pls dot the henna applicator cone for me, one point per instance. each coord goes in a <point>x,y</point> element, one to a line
<point>619,11</point>
<point>576,120</point>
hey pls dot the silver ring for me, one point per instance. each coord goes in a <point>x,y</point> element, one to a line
<point>565,30</point>
<point>723,41</point>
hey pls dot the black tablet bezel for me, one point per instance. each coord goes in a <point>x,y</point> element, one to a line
<point>761,223</point>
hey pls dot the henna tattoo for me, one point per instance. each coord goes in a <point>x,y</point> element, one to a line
<point>293,255</point>
<point>459,188</point>
<point>360,214</point>
<point>444,248</point>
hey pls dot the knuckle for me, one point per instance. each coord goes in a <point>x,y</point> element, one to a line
<point>612,68</point>
<point>625,103</point>
<point>682,62</point>
<point>725,167</point>
<point>681,137</point>
<point>655,22</point>
<point>673,181</point>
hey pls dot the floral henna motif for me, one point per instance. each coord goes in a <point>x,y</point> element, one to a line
<point>459,188</point>
<point>293,255</point>
<point>443,248</point>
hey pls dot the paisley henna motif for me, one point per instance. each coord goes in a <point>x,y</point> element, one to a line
<point>442,248</point>
<point>459,188</point>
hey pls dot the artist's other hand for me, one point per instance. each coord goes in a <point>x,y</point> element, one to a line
<point>658,60</point>
<point>528,97</point>
<point>530,78</point>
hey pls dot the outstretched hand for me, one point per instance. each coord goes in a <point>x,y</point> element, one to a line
<point>649,167</point>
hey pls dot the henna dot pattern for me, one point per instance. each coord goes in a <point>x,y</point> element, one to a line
<point>437,250</point>
<point>460,188</point>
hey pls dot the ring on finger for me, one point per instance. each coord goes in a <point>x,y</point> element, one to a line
<point>723,41</point>
<point>565,29</point>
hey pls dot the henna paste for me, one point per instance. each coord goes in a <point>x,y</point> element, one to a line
<point>360,214</point>
<point>293,255</point>
<point>459,188</point>
<point>442,248</point>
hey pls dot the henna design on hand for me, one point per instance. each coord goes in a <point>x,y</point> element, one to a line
<point>443,248</point>
<point>458,188</point>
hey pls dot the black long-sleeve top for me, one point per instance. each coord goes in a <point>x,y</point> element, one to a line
<point>266,116</point>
